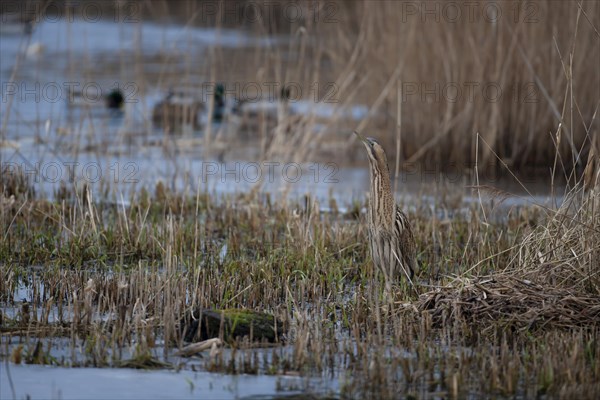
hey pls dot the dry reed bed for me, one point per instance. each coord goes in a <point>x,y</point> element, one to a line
<point>541,60</point>
<point>564,251</point>
<point>551,279</point>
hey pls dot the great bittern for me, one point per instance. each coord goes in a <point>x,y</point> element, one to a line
<point>390,233</point>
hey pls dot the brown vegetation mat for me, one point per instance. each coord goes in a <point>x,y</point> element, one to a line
<point>508,302</point>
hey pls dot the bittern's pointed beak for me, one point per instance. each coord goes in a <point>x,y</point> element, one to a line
<point>361,137</point>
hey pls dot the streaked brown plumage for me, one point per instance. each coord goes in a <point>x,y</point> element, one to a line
<point>390,233</point>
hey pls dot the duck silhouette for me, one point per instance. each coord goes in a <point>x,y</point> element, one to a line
<point>114,100</point>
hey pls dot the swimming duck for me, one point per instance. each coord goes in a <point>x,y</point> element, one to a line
<point>179,108</point>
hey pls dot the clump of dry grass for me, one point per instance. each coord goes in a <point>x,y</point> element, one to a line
<point>548,278</point>
<point>509,303</point>
<point>564,251</point>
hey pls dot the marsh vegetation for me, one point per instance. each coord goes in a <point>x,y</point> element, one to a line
<point>112,282</point>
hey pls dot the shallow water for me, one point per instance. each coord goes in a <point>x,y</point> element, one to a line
<point>39,382</point>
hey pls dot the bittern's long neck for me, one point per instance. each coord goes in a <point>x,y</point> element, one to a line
<point>382,200</point>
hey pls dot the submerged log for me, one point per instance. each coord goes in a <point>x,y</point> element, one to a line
<point>199,347</point>
<point>230,325</point>
<point>143,361</point>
